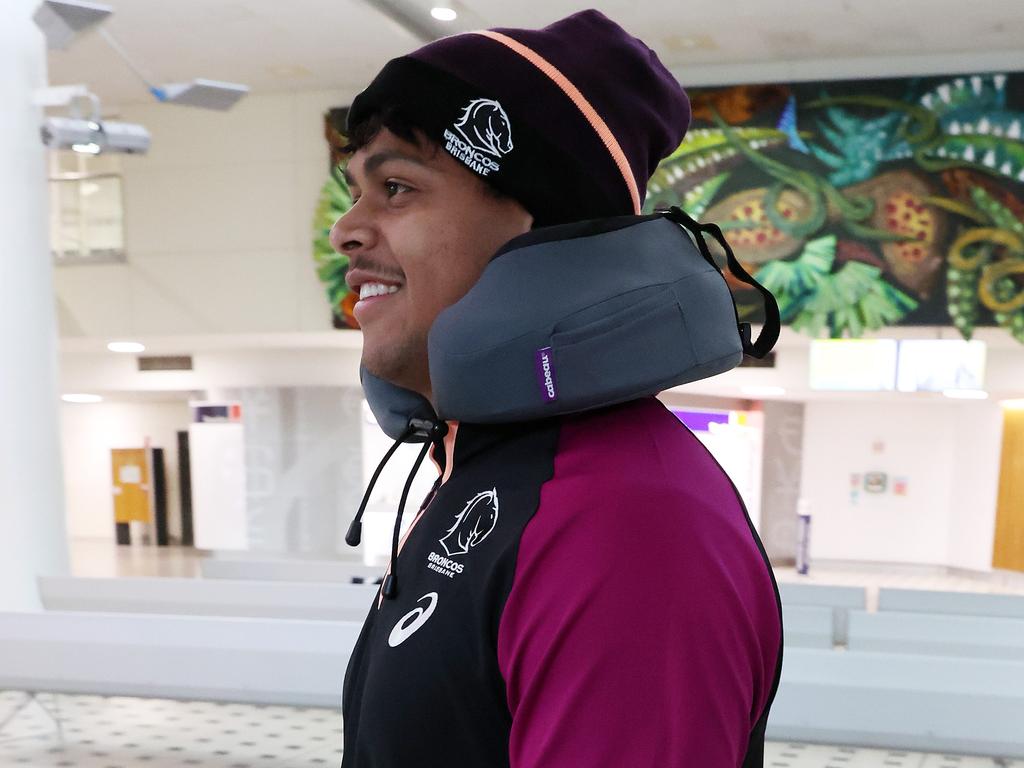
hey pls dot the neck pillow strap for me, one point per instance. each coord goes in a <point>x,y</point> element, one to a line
<point>770,331</point>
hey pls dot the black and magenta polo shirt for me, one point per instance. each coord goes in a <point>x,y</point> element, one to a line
<point>579,592</point>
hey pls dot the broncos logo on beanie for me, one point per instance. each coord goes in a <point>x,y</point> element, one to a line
<point>485,126</point>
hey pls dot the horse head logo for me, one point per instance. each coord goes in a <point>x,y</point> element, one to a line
<point>473,524</point>
<point>485,126</point>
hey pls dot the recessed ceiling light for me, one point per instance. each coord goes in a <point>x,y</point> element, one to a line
<point>443,14</point>
<point>680,43</point>
<point>763,391</point>
<point>966,394</point>
<point>126,346</point>
<point>289,70</point>
<point>82,398</point>
<point>92,148</point>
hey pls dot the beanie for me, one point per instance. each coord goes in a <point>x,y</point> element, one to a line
<point>570,120</point>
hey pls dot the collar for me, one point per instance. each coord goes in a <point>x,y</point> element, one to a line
<point>465,441</point>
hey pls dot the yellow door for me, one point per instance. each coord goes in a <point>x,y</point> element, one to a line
<point>1008,551</point>
<point>131,484</point>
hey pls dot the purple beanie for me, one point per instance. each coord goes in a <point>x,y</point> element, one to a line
<point>570,120</point>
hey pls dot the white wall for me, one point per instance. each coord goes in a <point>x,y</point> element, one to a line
<point>218,225</point>
<point>303,466</point>
<point>977,449</point>
<point>948,452</point>
<point>89,432</point>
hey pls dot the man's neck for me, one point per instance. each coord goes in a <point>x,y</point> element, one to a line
<point>449,452</point>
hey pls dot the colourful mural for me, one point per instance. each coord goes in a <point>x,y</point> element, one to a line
<point>334,200</point>
<point>862,204</point>
<point>859,204</point>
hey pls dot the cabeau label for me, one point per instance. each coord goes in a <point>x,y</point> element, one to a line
<point>546,375</point>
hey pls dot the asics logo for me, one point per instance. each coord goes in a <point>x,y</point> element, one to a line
<point>412,621</point>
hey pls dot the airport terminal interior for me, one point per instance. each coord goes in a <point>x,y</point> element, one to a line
<point>186,439</point>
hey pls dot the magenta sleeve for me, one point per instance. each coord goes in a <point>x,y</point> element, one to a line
<point>642,627</point>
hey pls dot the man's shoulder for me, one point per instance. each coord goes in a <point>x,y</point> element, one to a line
<point>638,432</point>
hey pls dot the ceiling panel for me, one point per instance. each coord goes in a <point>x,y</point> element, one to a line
<point>326,44</point>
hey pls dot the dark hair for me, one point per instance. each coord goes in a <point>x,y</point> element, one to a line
<point>395,120</point>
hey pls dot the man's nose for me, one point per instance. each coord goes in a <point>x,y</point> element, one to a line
<point>351,233</point>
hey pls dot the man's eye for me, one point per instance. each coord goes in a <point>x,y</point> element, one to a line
<point>387,185</point>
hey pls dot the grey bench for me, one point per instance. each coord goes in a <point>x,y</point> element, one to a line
<point>937,634</point>
<point>209,597</point>
<point>960,603</point>
<point>840,600</point>
<point>808,626</point>
<point>264,661</point>
<point>901,701</point>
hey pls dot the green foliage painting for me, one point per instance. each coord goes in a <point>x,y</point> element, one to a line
<point>864,204</point>
<point>334,200</point>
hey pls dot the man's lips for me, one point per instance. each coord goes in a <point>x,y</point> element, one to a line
<point>356,278</point>
<point>370,305</point>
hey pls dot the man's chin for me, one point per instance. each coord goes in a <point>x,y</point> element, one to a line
<point>387,363</point>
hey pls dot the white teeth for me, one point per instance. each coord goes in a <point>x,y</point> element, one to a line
<point>369,290</point>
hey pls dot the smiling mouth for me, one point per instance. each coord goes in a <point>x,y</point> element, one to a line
<point>374,293</point>
<point>373,290</point>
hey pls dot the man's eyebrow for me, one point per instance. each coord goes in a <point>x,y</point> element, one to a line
<point>373,162</point>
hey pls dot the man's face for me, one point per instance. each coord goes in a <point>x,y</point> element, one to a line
<point>420,233</point>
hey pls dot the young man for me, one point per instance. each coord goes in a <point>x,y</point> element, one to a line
<point>577,591</point>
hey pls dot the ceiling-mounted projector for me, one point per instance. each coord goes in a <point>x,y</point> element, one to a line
<point>87,133</point>
<point>92,137</point>
<point>62,21</point>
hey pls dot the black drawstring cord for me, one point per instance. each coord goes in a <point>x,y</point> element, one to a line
<point>770,331</point>
<point>434,433</point>
<point>355,530</point>
<point>391,583</point>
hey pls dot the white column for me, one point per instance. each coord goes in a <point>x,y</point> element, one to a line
<point>32,526</point>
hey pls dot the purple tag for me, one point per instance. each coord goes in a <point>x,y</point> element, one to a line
<point>546,375</point>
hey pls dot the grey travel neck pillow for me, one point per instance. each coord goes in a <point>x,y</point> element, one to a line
<point>579,316</point>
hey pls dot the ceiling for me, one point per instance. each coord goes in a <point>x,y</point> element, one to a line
<point>340,44</point>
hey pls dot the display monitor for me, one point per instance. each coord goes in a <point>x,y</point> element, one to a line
<point>853,365</point>
<point>936,365</point>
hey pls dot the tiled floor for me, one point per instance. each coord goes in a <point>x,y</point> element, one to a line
<point>124,732</point>
<point>821,756</point>
<point>103,558</point>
